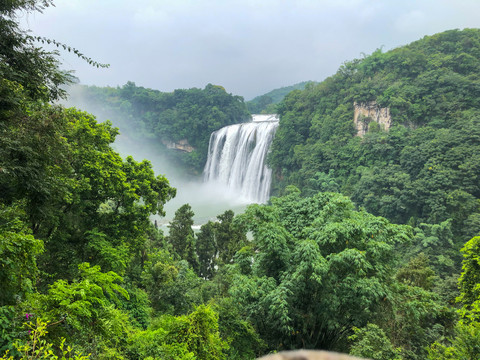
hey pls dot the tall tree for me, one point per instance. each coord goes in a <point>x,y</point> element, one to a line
<point>206,250</point>
<point>181,235</point>
<point>218,242</point>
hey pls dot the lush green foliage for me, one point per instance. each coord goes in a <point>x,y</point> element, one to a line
<point>18,253</point>
<point>75,190</point>
<point>22,61</point>
<point>84,271</point>
<point>218,242</point>
<point>181,235</point>
<point>194,336</point>
<point>36,347</point>
<point>465,343</point>
<point>371,342</point>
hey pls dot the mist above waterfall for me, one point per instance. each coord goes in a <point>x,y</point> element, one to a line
<point>206,199</point>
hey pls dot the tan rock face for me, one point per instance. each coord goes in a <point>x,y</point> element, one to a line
<point>181,145</point>
<point>366,113</point>
<point>308,355</point>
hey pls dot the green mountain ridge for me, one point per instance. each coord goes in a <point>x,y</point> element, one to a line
<point>425,168</point>
<point>266,103</point>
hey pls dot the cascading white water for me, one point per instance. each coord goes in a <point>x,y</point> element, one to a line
<point>236,158</point>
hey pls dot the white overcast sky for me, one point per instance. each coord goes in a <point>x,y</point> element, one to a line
<point>248,46</point>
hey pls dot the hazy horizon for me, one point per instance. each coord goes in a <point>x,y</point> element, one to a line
<point>249,47</point>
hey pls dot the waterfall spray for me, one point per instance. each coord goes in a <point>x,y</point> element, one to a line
<point>237,155</point>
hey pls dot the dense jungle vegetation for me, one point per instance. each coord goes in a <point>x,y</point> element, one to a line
<point>152,116</point>
<point>85,274</point>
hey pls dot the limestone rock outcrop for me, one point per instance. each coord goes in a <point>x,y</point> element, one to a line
<point>181,145</point>
<point>366,113</point>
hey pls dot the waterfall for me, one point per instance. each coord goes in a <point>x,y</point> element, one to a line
<point>236,158</point>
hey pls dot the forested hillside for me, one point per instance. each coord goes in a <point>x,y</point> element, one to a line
<point>424,170</point>
<point>267,103</point>
<point>85,274</point>
<point>166,119</point>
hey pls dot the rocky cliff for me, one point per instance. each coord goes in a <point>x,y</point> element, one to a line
<point>181,145</point>
<point>366,113</point>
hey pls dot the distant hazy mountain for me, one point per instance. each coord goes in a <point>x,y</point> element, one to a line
<point>267,103</point>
